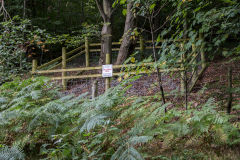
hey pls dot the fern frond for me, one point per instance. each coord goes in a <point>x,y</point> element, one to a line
<point>130,154</point>
<point>139,139</point>
<point>97,120</point>
<point>13,153</point>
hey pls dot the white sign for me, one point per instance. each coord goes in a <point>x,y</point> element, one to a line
<point>107,70</point>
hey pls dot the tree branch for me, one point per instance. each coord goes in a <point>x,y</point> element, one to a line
<point>158,11</point>
<point>101,10</point>
<point>4,11</point>
<point>165,21</point>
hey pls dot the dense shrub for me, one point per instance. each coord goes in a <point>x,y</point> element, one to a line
<point>16,36</point>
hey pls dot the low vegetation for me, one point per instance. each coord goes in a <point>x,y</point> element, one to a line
<point>40,122</point>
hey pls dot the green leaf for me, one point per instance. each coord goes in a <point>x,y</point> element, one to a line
<point>152,6</point>
<point>124,12</point>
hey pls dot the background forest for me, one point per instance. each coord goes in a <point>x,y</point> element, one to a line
<point>38,120</point>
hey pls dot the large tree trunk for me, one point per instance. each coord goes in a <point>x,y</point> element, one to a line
<point>106,12</point>
<point>126,42</point>
<point>106,41</point>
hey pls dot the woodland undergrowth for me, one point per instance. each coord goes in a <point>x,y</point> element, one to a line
<point>38,121</point>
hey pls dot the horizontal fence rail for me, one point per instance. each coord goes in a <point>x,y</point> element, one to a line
<point>87,48</point>
<point>83,51</point>
<point>60,58</point>
<point>116,74</point>
<point>88,68</point>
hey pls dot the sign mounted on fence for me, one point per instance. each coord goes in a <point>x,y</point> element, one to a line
<point>107,70</point>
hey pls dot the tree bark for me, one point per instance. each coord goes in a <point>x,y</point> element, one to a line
<point>106,12</point>
<point>126,41</point>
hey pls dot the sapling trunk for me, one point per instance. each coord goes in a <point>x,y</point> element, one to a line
<point>186,88</point>
<point>157,69</point>
<point>184,77</point>
<point>24,8</point>
<point>185,70</point>
<point>230,96</point>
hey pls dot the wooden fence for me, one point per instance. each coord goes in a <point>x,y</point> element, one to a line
<point>88,48</point>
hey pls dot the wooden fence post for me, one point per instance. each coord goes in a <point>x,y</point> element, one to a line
<point>94,89</point>
<point>107,80</point>
<point>34,65</point>
<point>64,66</point>
<point>203,62</point>
<point>142,47</point>
<point>182,83</point>
<point>87,51</point>
<point>203,57</point>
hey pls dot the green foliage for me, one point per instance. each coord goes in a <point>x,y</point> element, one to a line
<point>76,37</point>
<point>127,126</point>
<point>16,35</point>
<point>58,16</point>
<point>217,21</point>
<point>13,153</point>
<point>33,111</point>
<point>35,115</point>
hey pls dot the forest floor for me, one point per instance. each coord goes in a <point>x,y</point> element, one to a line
<point>216,77</point>
<point>213,82</point>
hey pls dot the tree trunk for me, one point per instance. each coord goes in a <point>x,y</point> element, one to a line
<point>159,74</point>
<point>106,41</point>
<point>126,41</point>
<point>106,12</point>
<point>24,8</point>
